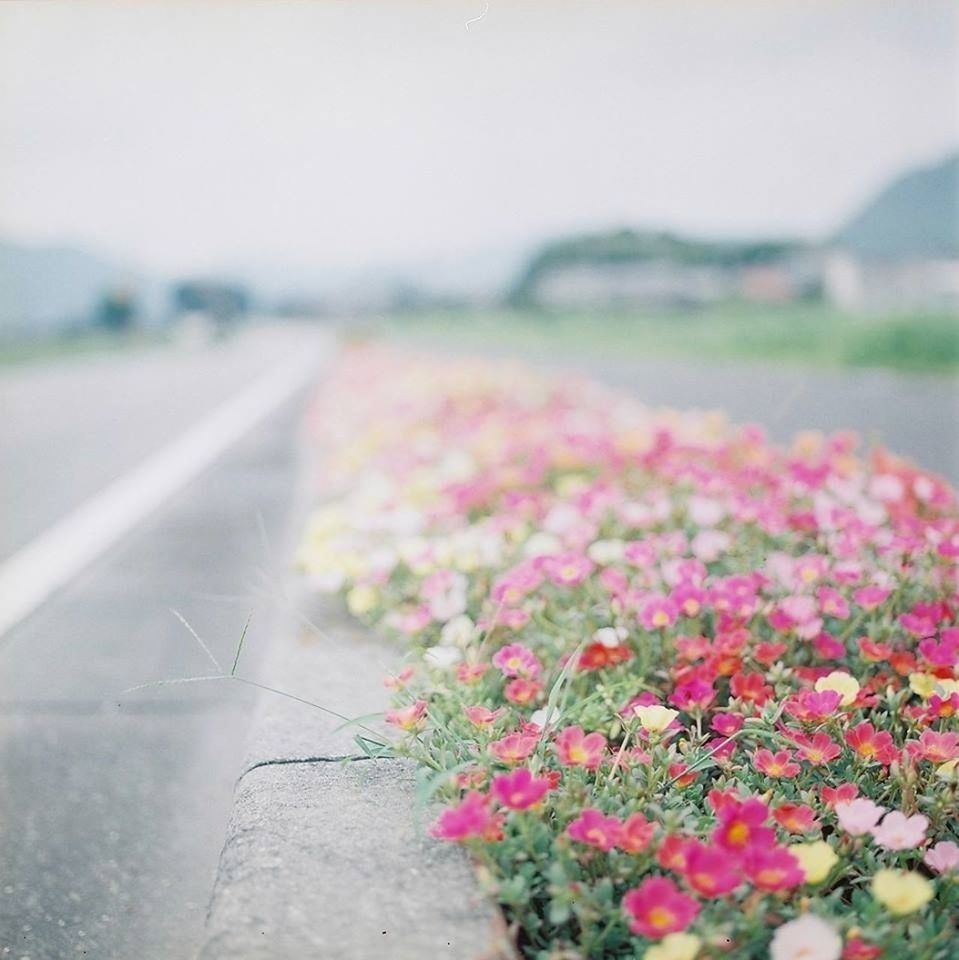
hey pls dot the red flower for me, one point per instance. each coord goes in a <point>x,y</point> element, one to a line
<point>872,745</point>
<point>841,794</point>
<point>858,949</point>
<point>749,687</point>
<point>657,907</point>
<point>795,817</point>
<point>818,749</point>
<point>597,656</point>
<point>672,852</point>
<point>779,764</point>
<point>595,829</point>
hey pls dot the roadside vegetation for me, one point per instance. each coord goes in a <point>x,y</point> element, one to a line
<point>807,333</point>
<point>683,694</point>
<point>80,344</point>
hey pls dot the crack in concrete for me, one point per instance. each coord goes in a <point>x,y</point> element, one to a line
<point>337,758</point>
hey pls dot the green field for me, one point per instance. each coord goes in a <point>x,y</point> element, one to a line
<point>81,344</point>
<point>810,334</point>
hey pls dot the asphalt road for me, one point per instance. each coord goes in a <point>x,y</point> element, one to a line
<point>113,808</point>
<point>916,416</point>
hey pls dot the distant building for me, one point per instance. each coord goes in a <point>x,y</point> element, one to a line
<point>901,252</point>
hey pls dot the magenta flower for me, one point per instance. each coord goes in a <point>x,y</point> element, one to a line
<point>519,790</point>
<point>711,871</point>
<point>772,868</point>
<point>471,818</point>
<point>657,907</point>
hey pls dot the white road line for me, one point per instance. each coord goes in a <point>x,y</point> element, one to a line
<point>52,559</point>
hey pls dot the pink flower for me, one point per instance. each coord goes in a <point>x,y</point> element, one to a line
<point>519,789</point>
<point>657,907</point>
<point>513,748</point>
<point>796,817</point>
<point>812,705</point>
<point>742,825</point>
<point>515,660</point>
<point>870,597</point>
<point>482,717</point>
<point>522,691</point>
<point>471,818</point>
<point>567,569</point>
<point>935,746</point>
<point>636,833</point>
<point>779,764</point>
<point>899,832</point>
<point>408,718</point>
<point>658,612</point>
<point>858,816</point>
<point>576,749</point>
<point>943,857</point>
<point>772,868</point>
<point>595,829</point>
<point>695,694</point>
<point>711,871</point>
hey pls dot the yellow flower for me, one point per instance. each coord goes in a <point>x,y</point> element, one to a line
<point>656,718</point>
<point>674,946</point>
<point>923,684</point>
<point>816,859</point>
<point>948,771</point>
<point>901,891</point>
<point>842,683</point>
<point>361,599</point>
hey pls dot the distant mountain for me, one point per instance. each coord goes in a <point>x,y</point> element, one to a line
<point>630,246</point>
<point>44,289</point>
<point>914,217</point>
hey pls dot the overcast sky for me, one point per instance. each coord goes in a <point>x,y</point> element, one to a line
<point>189,135</point>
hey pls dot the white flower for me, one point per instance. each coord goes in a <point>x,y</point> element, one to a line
<point>605,551</point>
<point>705,512</point>
<point>542,545</point>
<point>806,938</point>
<point>443,657</point>
<point>610,637</point>
<point>458,632</point>
<point>544,717</point>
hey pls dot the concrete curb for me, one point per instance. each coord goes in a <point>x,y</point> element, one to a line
<point>326,857</point>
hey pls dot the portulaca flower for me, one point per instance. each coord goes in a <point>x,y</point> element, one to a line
<point>443,657</point>
<point>806,938</point>
<point>458,632</point>
<point>899,832</point>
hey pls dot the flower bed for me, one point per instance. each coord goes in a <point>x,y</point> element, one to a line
<point>683,693</point>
